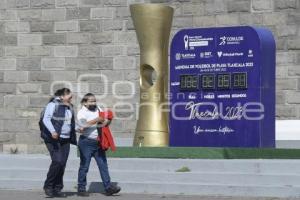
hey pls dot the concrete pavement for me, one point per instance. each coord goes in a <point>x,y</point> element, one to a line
<point>254,177</point>
<point>39,195</point>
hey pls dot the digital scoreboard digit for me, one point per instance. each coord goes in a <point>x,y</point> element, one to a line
<point>240,80</point>
<point>189,82</point>
<point>223,81</point>
<point>222,84</point>
<point>208,81</point>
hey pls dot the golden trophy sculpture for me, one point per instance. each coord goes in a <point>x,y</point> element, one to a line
<point>153,25</point>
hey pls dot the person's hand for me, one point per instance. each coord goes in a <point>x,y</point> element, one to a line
<point>55,135</point>
<point>108,123</point>
<point>100,120</point>
<point>81,129</point>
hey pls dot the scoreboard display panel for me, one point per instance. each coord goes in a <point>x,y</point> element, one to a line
<point>223,81</point>
<point>189,82</point>
<point>222,86</point>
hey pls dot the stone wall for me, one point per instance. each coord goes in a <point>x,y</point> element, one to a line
<point>46,44</point>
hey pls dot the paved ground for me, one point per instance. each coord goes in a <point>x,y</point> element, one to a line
<point>37,195</point>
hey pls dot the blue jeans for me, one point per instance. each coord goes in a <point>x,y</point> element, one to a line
<point>89,148</point>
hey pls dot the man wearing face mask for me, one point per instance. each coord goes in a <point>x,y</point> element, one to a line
<point>89,120</point>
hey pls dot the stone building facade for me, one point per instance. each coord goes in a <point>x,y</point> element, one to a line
<point>47,44</point>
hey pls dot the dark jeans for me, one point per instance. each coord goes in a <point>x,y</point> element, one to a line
<point>89,148</point>
<point>59,153</point>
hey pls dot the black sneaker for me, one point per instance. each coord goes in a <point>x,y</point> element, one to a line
<point>83,193</point>
<point>49,192</point>
<point>58,193</point>
<point>113,189</point>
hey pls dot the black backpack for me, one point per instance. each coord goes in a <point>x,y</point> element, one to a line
<point>41,123</point>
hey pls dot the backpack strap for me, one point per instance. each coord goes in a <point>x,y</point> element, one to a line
<point>43,112</point>
<point>99,129</point>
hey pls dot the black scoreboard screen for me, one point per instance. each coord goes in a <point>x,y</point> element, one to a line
<point>225,81</point>
<point>189,82</point>
<point>239,80</point>
<point>208,81</point>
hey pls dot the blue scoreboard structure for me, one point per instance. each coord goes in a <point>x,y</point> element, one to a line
<point>222,87</point>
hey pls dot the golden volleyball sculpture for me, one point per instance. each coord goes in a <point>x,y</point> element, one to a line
<point>153,25</point>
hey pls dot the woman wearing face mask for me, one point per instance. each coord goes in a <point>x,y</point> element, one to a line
<point>58,130</point>
<point>89,120</point>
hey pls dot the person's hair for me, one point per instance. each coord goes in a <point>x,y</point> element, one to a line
<point>86,97</point>
<point>61,92</point>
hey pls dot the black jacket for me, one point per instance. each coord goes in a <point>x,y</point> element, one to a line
<point>57,122</point>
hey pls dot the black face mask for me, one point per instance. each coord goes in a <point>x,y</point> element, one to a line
<point>92,107</point>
